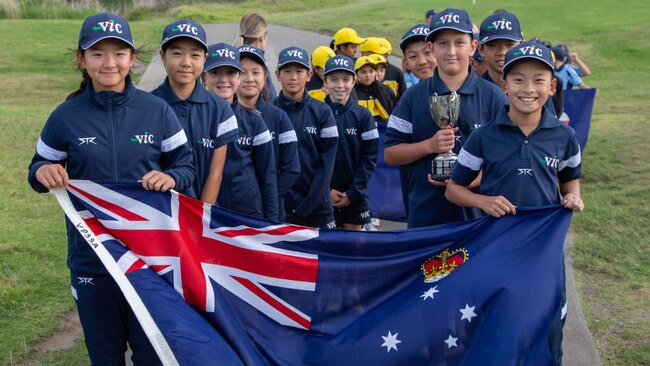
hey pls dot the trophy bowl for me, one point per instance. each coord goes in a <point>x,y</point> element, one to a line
<point>444,111</point>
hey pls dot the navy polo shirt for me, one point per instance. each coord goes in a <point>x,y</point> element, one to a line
<point>524,169</point>
<point>411,122</point>
<point>209,123</point>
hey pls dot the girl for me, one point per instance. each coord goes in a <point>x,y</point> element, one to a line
<point>98,134</point>
<point>253,31</point>
<point>249,184</point>
<point>252,93</point>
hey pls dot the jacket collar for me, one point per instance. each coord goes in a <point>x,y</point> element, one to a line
<point>199,95</point>
<point>291,104</point>
<point>105,98</point>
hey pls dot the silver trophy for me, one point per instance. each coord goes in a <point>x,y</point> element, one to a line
<point>444,110</point>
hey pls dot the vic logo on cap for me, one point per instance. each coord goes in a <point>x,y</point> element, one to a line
<point>294,53</point>
<point>187,28</point>
<point>109,26</point>
<point>341,62</point>
<point>529,50</point>
<point>501,24</point>
<point>448,18</point>
<point>224,52</point>
<point>420,31</point>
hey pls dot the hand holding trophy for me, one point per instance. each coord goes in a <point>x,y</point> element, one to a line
<point>444,110</point>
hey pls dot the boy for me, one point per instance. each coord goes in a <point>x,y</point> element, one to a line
<point>308,202</point>
<point>393,76</point>
<point>356,155</point>
<point>412,137</point>
<point>318,59</point>
<point>372,94</point>
<point>346,42</point>
<point>418,57</point>
<point>208,121</point>
<point>565,72</point>
<point>527,156</point>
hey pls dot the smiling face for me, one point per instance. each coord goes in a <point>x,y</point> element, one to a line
<point>223,82</point>
<point>419,59</point>
<point>252,79</point>
<point>293,78</point>
<point>107,63</point>
<point>494,53</point>
<point>183,59</point>
<point>339,85</point>
<point>528,85</point>
<point>452,50</point>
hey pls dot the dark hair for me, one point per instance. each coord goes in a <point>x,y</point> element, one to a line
<point>265,93</point>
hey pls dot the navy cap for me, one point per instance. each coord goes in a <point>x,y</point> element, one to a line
<point>450,18</point>
<point>102,26</point>
<point>294,55</point>
<point>559,52</point>
<point>430,13</point>
<point>528,51</point>
<point>222,54</point>
<point>500,25</point>
<point>477,56</point>
<point>417,32</point>
<point>339,63</point>
<point>252,52</point>
<point>184,28</point>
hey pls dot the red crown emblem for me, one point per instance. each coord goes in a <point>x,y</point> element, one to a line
<point>442,264</point>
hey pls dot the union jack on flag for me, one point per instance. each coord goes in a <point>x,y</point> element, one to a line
<point>211,286</point>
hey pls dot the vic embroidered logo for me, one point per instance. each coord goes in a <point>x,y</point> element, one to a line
<point>474,126</point>
<point>294,53</point>
<point>310,130</point>
<point>109,26</point>
<point>340,62</point>
<point>87,140</point>
<point>207,143</point>
<point>146,138</point>
<point>224,52</point>
<point>448,18</point>
<point>245,140</point>
<point>550,162</point>
<point>420,31</point>
<point>501,24</point>
<point>528,172</point>
<point>351,131</point>
<point>186,28</point>
<point>531,50</point>
<point>247,49</point>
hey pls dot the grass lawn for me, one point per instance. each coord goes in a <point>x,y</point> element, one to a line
<point>612,236</point>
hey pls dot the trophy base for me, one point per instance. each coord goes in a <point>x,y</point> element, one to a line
<point>442,166</point>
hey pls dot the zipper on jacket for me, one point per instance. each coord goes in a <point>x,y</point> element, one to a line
<point>111,131</point>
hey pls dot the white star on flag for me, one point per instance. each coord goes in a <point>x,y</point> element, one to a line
<point>468,313</point>
<point>390,341</point>
<point>451,341</point>
<point>429,293</point>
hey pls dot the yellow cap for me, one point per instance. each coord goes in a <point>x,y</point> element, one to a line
<point>386,44</point>
<point>373,45</point>
<point>320,56</point>
<point>347,35</point>
<point>363,61</point>
<point>378,59</point>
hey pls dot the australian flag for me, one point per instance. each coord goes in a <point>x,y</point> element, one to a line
<point>212,287</point>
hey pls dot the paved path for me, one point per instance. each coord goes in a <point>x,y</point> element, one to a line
<point>578,345</point>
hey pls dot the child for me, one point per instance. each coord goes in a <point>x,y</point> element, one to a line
<point>391,75</point>
<point>308,201</point>
<point>418,58</point>
<point>254,31</point>
<point>412,137</point>
<point>249,183</point>
<point>209,121</point>
<point>318,59</point>
<point>356,156</point>
<point>92,136</point>
<point>371,93</point>
<point>566,73</point>
<point>346,42</point>
<point>285,141</point>
<point>527,156</point>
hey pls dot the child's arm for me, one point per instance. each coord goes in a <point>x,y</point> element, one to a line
<point>407,153</point>
<point>213,180</point>
<point>289,164</point>
<point>496,206</point>
<point>584,69</point>
<point>369,142</point>
<point>265,170</point>
<point>571,199</point>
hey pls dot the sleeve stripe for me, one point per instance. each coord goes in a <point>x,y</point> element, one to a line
<point>173,142</point>
<point>262,138</point>
<point>468,160</point>
<point>49,153</point>
<point>399,124</point>
<point>571,162</point>
<point>370,135</point>
<point>227,126</point>
<point>287,137</point>
<point>331,131</point>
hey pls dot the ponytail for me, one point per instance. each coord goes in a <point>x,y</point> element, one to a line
<point>252,27</point>
<point>84,83</point>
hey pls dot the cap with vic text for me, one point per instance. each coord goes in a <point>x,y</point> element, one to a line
<point>103,26</point>
<point>500,25</point>
<point>294,55</point>
<point>347,35</point>
<point>222,54</point>
<point>252,52</point>
<point>418,32</point>
<point>184,29</point>
<point>528,51</point>
<point>320,56</point>
<point>339,63</point>
<point>450,18</point>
